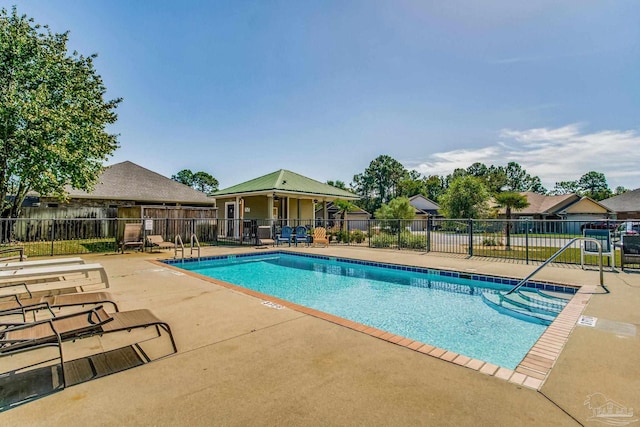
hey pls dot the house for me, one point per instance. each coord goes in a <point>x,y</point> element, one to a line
<point>128,191</point>
<point>625,205</point>
<point>357,217</point>
<point>425,208</point>
<point>573,209</point>
<point>282,196</point>
<point>124,184</point>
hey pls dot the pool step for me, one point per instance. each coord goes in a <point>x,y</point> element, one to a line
<point>517,306</point>
<point>535,302</point>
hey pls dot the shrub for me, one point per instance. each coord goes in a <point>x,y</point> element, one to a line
<point>413,241</point>
<point>491,240</point>
<point>358,236</point>
<point>382,240</point>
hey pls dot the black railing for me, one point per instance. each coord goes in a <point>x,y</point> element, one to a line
<point>525,240</point>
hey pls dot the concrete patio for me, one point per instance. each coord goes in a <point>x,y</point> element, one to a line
<point>241,363</point>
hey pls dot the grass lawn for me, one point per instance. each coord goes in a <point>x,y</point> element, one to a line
<point>540,253</point>
<point>67,247</point>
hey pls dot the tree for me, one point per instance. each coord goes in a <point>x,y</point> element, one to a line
<point>53,114</point>
<point>400,210</point>
<point>620,190</point>
<point>379,183</point>
<point>594,184</point>
<point>565,187</point>
<point>412,184</point>
<point>185,176</point>
<point>201,181</point>
<point>434,186</point>
<point>510,200</point>
<point>466,197</point>
<point>338,184</point>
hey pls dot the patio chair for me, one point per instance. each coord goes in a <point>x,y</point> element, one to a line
<point>157,241</point>
<point>25,337</point>
<point>590,248</point>
<point>70,327</point>
<point>13,304</point>
<point>131,237</point>
<point>301,235</point>
<point>17,251</point>
<point>40,263</point>
<point>264,235</point>
<point>320,236</point>
<point>52,281</point>
<point>630,250</point>
<point>285,235</point>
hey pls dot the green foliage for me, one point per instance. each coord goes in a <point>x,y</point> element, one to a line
<point>358,236</point>
<point>201,181</point>
<point>565,187</point>
<point>405,240</point>
<point>594,184</point>
<point>379,183</point>
<point>466,197</point>
<point>434,187</point>
<point>510,200</point>
<point>338,184</point>
<point>491,240</point>
<point>400,213</point>
<point>53,114</point>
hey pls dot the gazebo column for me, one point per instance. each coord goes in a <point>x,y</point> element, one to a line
<point>325,214</point>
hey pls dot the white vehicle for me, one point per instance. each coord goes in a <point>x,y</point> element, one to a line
<point>627,228</point>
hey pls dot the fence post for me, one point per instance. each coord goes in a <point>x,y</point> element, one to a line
<point>429,224</point>
<point>348,236</point>
<point>399,234</point>
<point>53,234</point>
<point>526,240</point>
<point>470,237</point>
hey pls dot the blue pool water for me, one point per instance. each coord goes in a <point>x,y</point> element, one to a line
<point>447,312</point>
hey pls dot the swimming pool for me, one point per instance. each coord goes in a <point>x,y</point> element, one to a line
<point>440,308</point>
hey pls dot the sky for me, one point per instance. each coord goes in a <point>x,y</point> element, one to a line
<point>243,88</point>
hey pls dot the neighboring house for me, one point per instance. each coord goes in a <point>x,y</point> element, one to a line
<point>425,208</point>
<point>282,196</point>
<point>625,205</point>
<point>357,218</point>
<point>120,185</point>
<point>568,207</point>
<point>124,190</point>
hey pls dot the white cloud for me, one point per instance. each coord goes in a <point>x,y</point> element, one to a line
<point>560,154</point>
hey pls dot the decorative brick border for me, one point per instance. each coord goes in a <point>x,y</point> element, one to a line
<point>531,372</point>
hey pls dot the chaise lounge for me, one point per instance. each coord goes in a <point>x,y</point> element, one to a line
<point>34,368</point>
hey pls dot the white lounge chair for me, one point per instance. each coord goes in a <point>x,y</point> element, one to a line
<point>40,263</point>
<point>46,279</point>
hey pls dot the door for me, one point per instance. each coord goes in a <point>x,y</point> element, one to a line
<point>230,217</point>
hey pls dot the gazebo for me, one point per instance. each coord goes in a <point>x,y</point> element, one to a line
<point>282,197</point>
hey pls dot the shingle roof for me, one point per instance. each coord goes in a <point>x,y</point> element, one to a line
<point>423,203</point>
<point>541,204</point>
<point>284,181</point>
<point>129,181</point>
<point>625,202</point>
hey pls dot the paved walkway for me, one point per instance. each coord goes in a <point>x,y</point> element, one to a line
<point>242,363</point>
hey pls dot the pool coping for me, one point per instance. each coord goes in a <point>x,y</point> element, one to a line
<point>531,372</point>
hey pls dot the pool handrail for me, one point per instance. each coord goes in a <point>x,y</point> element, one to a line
<point>554,256</point>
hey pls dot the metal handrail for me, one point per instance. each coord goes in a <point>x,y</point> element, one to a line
<point>554,256</point>
<point>179,245</point>
<point>195,238</point>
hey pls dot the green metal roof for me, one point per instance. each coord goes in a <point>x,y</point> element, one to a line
<point>284,181</point>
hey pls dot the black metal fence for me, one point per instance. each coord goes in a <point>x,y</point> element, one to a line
<point>514,239</point>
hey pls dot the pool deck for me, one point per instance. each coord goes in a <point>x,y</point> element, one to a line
<point>241,362</point>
